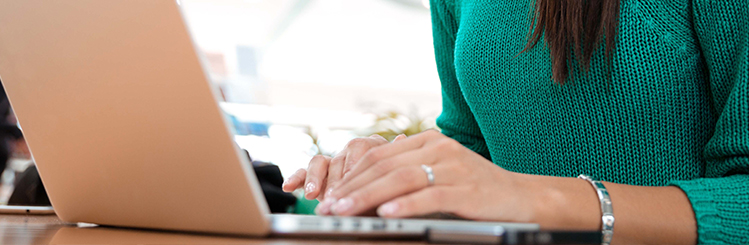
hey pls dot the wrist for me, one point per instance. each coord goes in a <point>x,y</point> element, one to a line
<point>561,203</point>
<point>541,200</point>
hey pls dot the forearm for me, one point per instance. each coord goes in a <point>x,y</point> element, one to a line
<point>644,215</point>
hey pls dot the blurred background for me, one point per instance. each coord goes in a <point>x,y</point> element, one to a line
<point>303,77</point>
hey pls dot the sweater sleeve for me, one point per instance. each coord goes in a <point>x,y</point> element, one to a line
<point>456,120</point>
<point>720,200</point>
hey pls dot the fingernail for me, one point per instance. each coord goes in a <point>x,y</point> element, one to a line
<point>310,187</point>
<point>387,209</point>
<point>399,137</point>
<point>342,206</point>
<point>324,207</point>
<point>285,182</point>
<point>327,193</point>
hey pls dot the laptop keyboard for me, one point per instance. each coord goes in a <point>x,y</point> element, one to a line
<point>314,224</point>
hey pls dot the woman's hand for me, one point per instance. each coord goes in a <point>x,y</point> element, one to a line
<point>324,172</point>
<point>391,179</point>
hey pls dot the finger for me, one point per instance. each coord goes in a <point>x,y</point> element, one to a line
<point>383,167</point>
<point>358,147</point>
<point>323,208</point>
<point>294,181</point>
<point>316,173</point>
<point>335,173</point>
<point>354,155</point>
<point>426,201</point>
<point>388,150</point>
<point>322,187</point>
<point>351,153</point>
<point>394,184</point>
<point>377,137</point>
<point>399,137</point>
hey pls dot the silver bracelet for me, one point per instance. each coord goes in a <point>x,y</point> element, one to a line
<point>607,211</point>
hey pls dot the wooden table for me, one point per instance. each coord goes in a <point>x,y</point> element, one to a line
<point>48,229</point>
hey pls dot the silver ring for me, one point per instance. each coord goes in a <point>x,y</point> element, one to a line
<point>430,174</point>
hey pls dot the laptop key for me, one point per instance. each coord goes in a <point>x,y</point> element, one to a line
<point>379,225</point>
<point>336,224</point>
<point>356,224</point>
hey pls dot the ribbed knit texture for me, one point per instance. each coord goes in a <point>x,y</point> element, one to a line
<point>676,110</point>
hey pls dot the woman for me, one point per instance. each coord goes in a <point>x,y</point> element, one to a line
<point>649,97</point>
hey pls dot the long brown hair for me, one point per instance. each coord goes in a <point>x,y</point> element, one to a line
<point>577,26</point>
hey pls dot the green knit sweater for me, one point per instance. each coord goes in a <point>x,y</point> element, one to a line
<point>676,111</point>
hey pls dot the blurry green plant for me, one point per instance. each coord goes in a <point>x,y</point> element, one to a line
<point>315,139</point>
<point>389,125</point>
<point>393,123</point>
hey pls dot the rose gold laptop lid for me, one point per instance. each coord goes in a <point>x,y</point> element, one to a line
<point>121,119</point>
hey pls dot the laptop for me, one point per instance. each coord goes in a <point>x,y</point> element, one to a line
<point>125,128</point>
